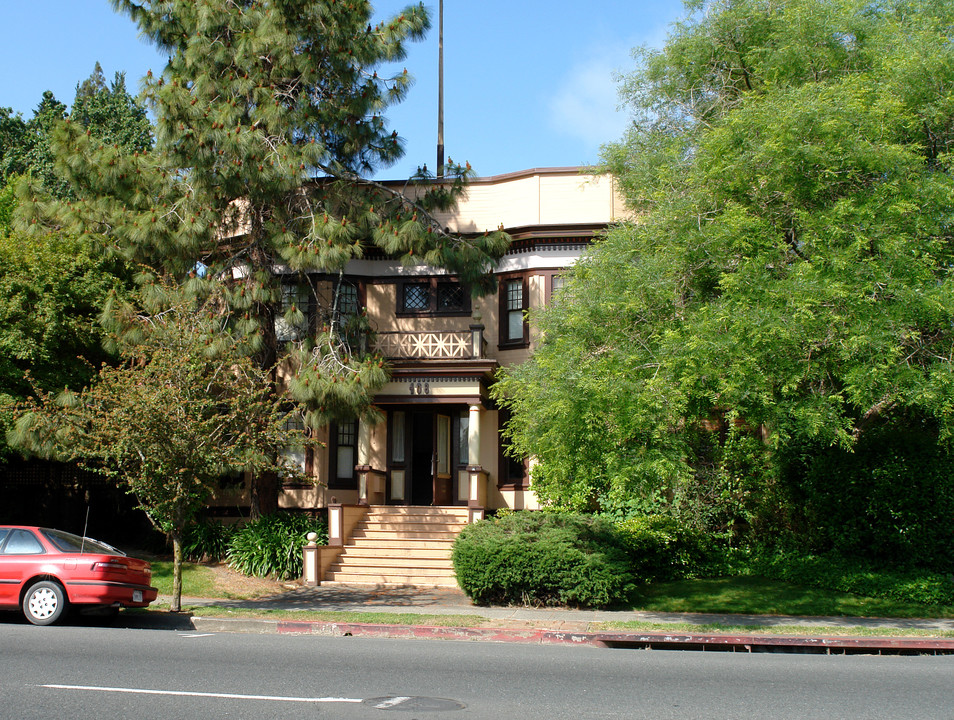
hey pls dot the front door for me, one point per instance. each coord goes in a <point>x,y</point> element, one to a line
<point>421,471</point>
<point>424,449</point>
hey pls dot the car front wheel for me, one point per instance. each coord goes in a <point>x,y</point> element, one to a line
<point>44,603</point>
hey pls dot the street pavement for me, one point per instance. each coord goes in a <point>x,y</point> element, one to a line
<point>747,633</point>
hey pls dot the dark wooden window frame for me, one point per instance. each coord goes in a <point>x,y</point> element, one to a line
<point>506,479</point>
<point>303,287</point>
<point>309,468</point>
<point>434,285</point>
<point>550,276</point>
<point>505,342</point>
<point>335,482</point>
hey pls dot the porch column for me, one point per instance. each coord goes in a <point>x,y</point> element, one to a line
<point>364,461</point>
<point>477,495</point>
<point>473,436</point>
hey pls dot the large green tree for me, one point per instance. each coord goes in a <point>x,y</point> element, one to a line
<point>53,287</point>
<point>106,111</point>
<point>786,287</point>
<point>52,292</point>
<point>269,124</point>
<point>183,408</point>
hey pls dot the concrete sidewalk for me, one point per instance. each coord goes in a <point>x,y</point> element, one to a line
<point>550,625</point>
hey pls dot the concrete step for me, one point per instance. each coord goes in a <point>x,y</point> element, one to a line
<point>414,520</point>
<point>410,533</point>
<point>348,561</point>
<point>390,580</point>
<point>408,544</point>
<point>339,573</point>
<point>337,570</point>
<point>365,551</point>
<point>400,546</point>
<point>429,510</point>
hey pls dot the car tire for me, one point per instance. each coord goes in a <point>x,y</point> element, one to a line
<point>44,603</point>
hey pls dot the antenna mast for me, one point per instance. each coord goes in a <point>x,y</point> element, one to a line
<point>440,92</point>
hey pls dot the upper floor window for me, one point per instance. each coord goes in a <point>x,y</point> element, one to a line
<point>296,458</point>
<point>433,297</point>
<point>513,306</point>
<point>343,455</point>
<point>348,303</point>
<point>293,317</point>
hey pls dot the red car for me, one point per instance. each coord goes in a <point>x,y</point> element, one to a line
<point>44,571</point>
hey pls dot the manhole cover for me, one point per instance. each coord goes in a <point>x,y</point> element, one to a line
<point>414,704</point>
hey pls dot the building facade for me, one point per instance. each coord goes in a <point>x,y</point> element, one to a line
<point>437,441</point>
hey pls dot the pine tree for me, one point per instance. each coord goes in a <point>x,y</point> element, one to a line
<point>269,124</point>
<point>110,113</point>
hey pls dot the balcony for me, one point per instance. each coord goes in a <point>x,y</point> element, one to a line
<point>456,345</point>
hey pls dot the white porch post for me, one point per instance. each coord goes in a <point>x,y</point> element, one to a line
<point>364,461</point>
<point>477,495</point>
<point>473,436</point>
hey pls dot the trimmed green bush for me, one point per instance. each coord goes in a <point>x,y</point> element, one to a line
<point>660,548</point>
<point>207,540</point>
<point>542,558</point>
<point>832,571</point>
<point>272,545</point>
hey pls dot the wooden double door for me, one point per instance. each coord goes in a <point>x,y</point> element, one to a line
<point>426,446</point>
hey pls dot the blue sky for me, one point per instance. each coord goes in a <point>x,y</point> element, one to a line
<point>527,83</point>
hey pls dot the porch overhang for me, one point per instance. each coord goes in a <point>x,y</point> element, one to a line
<point>438,382</point>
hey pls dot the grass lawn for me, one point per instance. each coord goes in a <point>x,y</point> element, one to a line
<point>729,595</point>
<point>760,596</point>
<point>197,580</point>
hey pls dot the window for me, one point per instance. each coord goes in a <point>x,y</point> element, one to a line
<point>344,455</point>
<point>289,326</point>
<point>70,543</point>
<point>450,297</point>
<point>22,542</point>
<point>397,437</point>
<point>347,300</point>
<point>417,297</point>
<point>513,474</point>
<point>513,302</point>
<point>463,439</point>
<point>296,457</point>
<point>436,297</point>
<point>347,311</point>
<point>557,283</point>
<point>443,445</point>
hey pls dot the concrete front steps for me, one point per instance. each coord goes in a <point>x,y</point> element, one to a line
<point>400,546</point>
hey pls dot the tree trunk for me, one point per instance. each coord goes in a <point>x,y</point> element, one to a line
<point>264,487</point>
<point>176,572</point>
<point>263,495</point>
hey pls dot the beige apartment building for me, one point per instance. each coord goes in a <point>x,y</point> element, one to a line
<point>438,442</point>
<point>398,490</point>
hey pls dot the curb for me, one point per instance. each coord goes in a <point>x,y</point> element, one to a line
<point>633,640</point>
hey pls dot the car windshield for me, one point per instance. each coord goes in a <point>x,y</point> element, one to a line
<point>70,543</point>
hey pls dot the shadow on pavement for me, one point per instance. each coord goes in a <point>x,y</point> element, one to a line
<point>348,598</point>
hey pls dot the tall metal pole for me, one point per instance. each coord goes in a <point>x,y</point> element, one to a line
<point>440,92</point>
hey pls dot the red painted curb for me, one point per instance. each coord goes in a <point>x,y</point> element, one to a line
<point>744,643</point>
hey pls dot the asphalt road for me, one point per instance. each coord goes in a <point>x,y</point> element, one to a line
<point>100,672</point>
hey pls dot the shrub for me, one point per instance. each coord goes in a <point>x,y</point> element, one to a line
<point>272,545</point>
<point>660,548</point>
<point>542,558</point>
<point>890,500</point>
<point>206,540</point>
<point>833,571</point>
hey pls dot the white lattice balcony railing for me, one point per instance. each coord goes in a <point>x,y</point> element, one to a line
<point>460,345</point>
